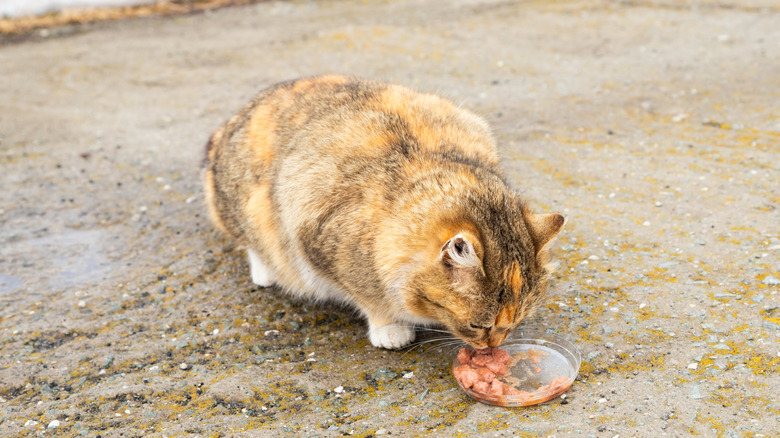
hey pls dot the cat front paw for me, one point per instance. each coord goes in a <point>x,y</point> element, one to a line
<point>390,336</point>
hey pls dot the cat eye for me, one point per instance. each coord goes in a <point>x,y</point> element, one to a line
<point>478,327</point>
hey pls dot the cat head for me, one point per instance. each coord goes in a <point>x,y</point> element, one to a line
<point>483,281</point>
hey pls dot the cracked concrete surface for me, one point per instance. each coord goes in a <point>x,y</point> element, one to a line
<point>654,126</point>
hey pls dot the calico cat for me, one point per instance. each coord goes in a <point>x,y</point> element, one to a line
<point>382,198</point>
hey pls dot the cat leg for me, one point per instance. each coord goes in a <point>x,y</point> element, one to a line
<point>261,275</point>
<point>384,333</point>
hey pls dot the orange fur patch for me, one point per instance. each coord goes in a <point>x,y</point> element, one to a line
<point>260,135</point>
<point>506,316</point>
<point>497,339</point>
<point>257,209</point>
<point>303,85</point>
<point>401,101</point>
<point>516,279</point>
<point>208,192</point>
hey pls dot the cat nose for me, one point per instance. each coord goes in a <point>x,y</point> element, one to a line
<point>496,339</point>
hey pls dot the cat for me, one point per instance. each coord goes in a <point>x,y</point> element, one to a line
<point>383,198</point>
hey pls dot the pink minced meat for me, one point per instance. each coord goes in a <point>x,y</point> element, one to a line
<point>501,356</point>
<point>466,375</point>
<point>464,356</point>
<point>480,371</point>
<point>497,368</point>
<point>481,387</point>
<point>486,375</point>
<point>496,387</point>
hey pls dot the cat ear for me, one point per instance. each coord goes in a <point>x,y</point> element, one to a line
<point>544,227</point>
<point>459,252</point>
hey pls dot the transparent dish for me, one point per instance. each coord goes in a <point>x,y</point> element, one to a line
<point>537,368</point>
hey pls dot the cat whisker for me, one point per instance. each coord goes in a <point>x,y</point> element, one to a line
<point>448,345</point>
<point>426,342</point>
<point>435,330</point>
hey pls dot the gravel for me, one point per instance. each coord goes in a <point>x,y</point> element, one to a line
<point>771,280</point>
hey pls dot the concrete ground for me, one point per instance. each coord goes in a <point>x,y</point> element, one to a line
<point>653,125</point>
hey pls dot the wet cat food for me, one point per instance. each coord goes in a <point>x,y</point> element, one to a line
<point>523,373</point>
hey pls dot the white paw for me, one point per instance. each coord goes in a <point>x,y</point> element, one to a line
<point>261,275</point>
<point>390,336</point>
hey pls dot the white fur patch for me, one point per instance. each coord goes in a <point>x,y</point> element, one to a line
<point>261,275</point>
<point>391,336</point>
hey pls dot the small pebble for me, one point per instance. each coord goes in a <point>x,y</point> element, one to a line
<point>771,325</point>
<point>215,332</point>
<point>693,366</point>
<point>771,280</point>
<point>82,303</point>
<point>271,333</point>
<point>339,390</point>
<point>54,424</point>
<point>408,375</point>
<point>183,366</point>
<point>724,295</point>
<point>381,432</point>
<point>696,393</point>
<point>30,423</point>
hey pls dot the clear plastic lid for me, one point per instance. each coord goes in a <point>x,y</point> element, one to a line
<point>529,368</point>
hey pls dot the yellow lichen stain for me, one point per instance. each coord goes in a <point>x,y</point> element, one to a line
<point>763,364</point>
<point>624,364</point>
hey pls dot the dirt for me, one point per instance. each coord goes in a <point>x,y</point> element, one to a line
<point>652,125</point>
